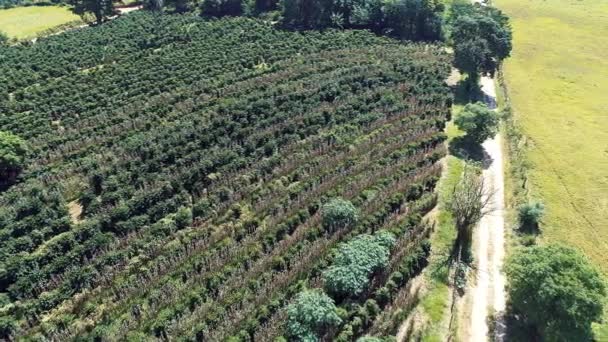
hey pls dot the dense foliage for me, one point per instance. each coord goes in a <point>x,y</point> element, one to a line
<point>179,168</point>
<point>557,291</point>
<point>481,37</point>
<point>478,121</point>
<point>310,315</point>
<point>13,151</point>
<point>339,213</point>
<point>355,261</point>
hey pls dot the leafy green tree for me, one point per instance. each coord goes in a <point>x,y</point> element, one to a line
<point>13,150</point>
<point>339,213</point>
<point>478,121</point>
<point>355,261</point>
<point>312,313</point>
<point>530,214</point>
<point>481,39</point>
<point>101,9</point>
<point>556,291</point>
<point>413,19</point>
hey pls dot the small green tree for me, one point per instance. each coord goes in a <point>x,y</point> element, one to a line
<point>339,213</point>
<point>478,121</point>
<point>13,150</point>
<point>556,291</point>
<point>312,313</point>
<point>530,214</point>
<point>3,38</point>
<point>355,261</point>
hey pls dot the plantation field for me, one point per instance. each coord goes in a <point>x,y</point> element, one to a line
<point>25,22</point>
<point>201,154</point>
<point>557,81</point>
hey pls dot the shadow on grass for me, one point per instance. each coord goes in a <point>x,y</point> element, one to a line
<point>470,151</point>
<point>467,92</point>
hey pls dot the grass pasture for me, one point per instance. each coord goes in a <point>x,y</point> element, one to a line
<point>557,82</point>
<point>25,22</point>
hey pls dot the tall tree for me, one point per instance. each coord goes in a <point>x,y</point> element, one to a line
<point>481,40</point>
<point>310,315</point>
<point>556,291</point>
<point>478,121</point>
<point>101,9</point>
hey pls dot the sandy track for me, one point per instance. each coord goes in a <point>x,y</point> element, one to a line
<point>489,297</point>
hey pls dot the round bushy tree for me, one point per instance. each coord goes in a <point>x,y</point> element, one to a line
<point>339,213</point>
<point>13,150</point>
<point>478,121</point>
<point>310,315</point>
<point>355,261</point>
<point>556,291</point>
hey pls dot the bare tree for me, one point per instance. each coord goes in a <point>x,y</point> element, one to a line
<point>470,201</point>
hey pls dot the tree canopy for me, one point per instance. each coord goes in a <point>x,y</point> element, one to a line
<point>13,150</point>
<point>478,121</point>
<point>339,213</point>
<point>101,9</point>
<point>556,290</point>
<point>481,37</point>
<point>355,261</point>
<point>311,313</point>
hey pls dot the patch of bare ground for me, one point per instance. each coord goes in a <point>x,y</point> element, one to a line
<point>75,210</point>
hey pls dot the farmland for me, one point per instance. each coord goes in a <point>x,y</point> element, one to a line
<point>196,158</point>
<point>26,22</point>
<point>557,86</point>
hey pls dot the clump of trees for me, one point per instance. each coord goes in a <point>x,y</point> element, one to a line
<point>338,213</point>
<point>556,291</point>
<point>13,151</point>
<point>481,37</point>
<point>478,121</point>
<point>311,313</point>
<point>100,9</point>
<point>355,261</point>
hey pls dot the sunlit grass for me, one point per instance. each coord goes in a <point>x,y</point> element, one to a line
<point>26,22</point>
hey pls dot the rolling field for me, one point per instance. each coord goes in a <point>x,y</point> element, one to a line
<point>24,22</point>
<point>557,82</point>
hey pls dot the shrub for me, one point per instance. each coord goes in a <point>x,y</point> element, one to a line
<point>556,291</point>
<point>339,213</point>
<point>13,150</point>
<point>355,262</point>
<point>530,214</point>
<point>310,315</point>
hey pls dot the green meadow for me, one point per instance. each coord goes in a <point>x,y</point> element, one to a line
<point>26,22</point>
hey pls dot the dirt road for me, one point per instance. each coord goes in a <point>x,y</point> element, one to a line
<point>488,293</point>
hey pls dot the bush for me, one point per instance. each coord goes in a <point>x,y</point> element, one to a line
<point>12,156</point>
<point>310,315</point>
<point>339,213</point>
<point>530,214</point>
<point>478,121</point>
<point>556,291</point>
<point>355,262</point>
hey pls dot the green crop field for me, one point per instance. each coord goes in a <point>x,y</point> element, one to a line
<point>24,22</point>
<point>557,82</point>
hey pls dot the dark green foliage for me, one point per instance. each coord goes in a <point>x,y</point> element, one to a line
<point>556,291</point>
<point>413,19</point>
<point>101,9</point>
<point>3,38</point>
<point>311,314</point>
<point>202,152</point>
<point>339,213</point>
<point>530,214</point>
<point>478,121</point>
<point>220,8</point>
<point>481,37</point>
<point>13,151</point>
<point>355,262</point>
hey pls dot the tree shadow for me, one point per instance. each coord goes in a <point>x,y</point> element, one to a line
<point>469,150</point>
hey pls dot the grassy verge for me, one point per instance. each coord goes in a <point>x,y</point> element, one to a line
<point>28,22</point>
